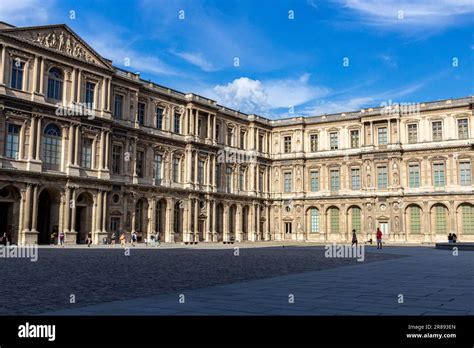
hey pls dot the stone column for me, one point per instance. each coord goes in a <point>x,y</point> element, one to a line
<point>27,208</point>
<point>31,140</point>
<point>35,209</point>
<point>134,217</point>
<point>38,139</point>
<point>77,145</point>
<point>196,220</point>
<point>107,149</point>
<point>3,66</point>
<point>73,211</point>
<point>267,223</point>
<point>152,219</point>
<point>104,211</point>
<point>214,221</point>
<point>238,223</point>
<point>169,224</point>
<point>21,145</point>
<point>41,72</point>
<point>257,223</point>
<point>70,145</point>
<point>226,223</point>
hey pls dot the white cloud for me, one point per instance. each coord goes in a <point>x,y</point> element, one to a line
<point>25,12</point>
<point>422,13</point>
<point>196,59</point>
<point>332,107</point>
<point>254,96</point>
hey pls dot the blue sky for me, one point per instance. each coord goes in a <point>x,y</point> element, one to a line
<point>290,53</point>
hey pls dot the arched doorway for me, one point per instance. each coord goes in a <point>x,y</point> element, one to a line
<point>231,226</point>
<point>245,223</point>
<point>220,222</point>
<point>48,214</point>
<point>160,218</point>
<point>83,225</point>
<point>178,222</point>
<point>141,219</point>
<point>9,213</point>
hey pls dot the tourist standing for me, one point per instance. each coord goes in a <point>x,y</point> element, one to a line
<point>51,238</point>
<point>61,239</point>
<point>450,238</point>
<point>112,239</point>
<point>134,238</point>
<point>455,238</point>
<point>122,239</point>
<point>379,238</point>
<point>354,237</point>
<point>89,239</point>
<point>157,238</point>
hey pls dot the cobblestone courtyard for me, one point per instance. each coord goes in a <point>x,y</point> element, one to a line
<point>258,281</point>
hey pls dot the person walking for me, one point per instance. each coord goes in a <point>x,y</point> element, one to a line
<point>379,238</point>
<point>89,239</point>
<point>122,239</point>
<point>52,237</point>
<point>455,238</point>
<point>61,239</point>
<point>112,238</point>
<point>157,238</point>
<point>134,238</point>
<point>354,237</point>
<point>450,238</point>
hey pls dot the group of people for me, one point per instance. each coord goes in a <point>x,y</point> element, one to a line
<point>452,238</point>
<point>155,239</point>
<point>61,237</point>
<point>378,236</point>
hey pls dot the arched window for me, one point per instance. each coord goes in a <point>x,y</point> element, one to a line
<point>334,219</point>
<point>52,147</point>
<point>415,219</point>
<point>55,84</point>
<point>441,219</point>
<point>355,214</point>
<point>467,219</point>
<point>314,220</point>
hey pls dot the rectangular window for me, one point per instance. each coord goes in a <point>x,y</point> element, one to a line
<point>217,132</point>
<point>157,168</point>
<point>199,126</point>
<point>287,144</point>
<point>242,180</point>
<point>356,219</point>
<point>288,228</point>
<point>177,119</point>
<point>465,173</point>
<point>200,172</point>
<point>334,219</point>
<point>116,159</point>
<point>313,139</point>
<point>415,220</point>
<point>218,175</point>
<point>463,131</point>
<point>440,220</point>
<point>90,91</point>
<point>437,130</point>
<point>260,181</point>
<point>140,164</point>
<point>439,175</point>
<point>355,178</point>
<point>382,177</point>
<point>314,180</point>
<point>230,135</point>
<point>382,135</point>
<point>413,133</point>
<point>12,145</point>
<point>242,139</point>
<point>261,139</point>
<point>288,182</point>
<point>141,113</point>
<point>334,177</point>
<point>228,179</point>
<point>334,140</point>
<point>86,158</point>
<point>354,139</point>
<point>159,118</point>
<point>118,107</point>
<point>468,219</point>
<point>17,74</point>
<point>314,220</point>
<point>175,169</point>
<point>414,175</point>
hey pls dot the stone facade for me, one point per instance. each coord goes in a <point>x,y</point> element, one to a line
<point>89,148</point>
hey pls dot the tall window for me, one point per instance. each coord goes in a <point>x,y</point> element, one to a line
<point>414,175</point>
<point>200,172</point>
<point>177,119</point>
<point>228,179</point>
<point>230,135</point>
<point>334,140</point>
<point>313,142</point>
<point>382,177</point>
<point>355,178</point>
<point>12,145</point>
<point>356,220</point>
<point>242,179</point>
<point>140,164</point>
<point>261,139</point>
<point>90,91</point>
<point>413,133</point>
<point>176,169</point>
<point>217,132</point>
<point>116,159</point>
<point>382,135</point>
<point>334,177</point>
<point>159,118</point>
<point>354,139</point>
<point>260,181</point>
<point>415,219</point>
<point>441,213</point>
<point>86,158</point>
<point>287,182</point>
<point>55,84</point>
<point>439,175</point>
<point>465,173</point>
<point>17,74</point>
<point>334,219</point>
<point>314,180</point>
<point>157,168</point>
<point>287,144</point>
<point>218,175</point>
<point>314,217</point>
<point>467,219</point>
<point>141,113</point>
<point>463,131</point>
<point>52,147</point>
<point>437,130</point>
<point>118,106</point>
<point>242,139</point>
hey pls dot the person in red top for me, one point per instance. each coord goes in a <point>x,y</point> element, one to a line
<point>379,238</point>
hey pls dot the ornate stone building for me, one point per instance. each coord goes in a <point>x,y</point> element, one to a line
<point>89,148</point>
